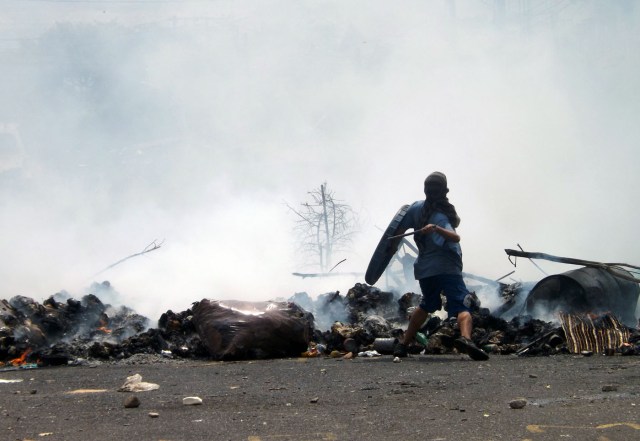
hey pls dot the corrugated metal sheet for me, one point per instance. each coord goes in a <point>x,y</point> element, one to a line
<point>585,333</point>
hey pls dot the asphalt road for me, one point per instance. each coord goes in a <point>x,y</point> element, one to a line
<point>445,397</point>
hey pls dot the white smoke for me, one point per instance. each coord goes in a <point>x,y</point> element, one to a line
<point>191,122</point>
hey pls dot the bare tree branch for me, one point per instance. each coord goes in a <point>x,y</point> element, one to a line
<point>324,225</point>
<point>149,248</point>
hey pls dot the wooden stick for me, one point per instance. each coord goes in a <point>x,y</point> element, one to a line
<point>497,280</point>
<point>305,275</point>
<point>402,235</point>
<point>535,264</point>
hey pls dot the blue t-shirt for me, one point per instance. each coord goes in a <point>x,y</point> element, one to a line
<point>437,255</point>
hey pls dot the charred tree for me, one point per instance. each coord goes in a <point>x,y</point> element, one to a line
<point>324,225</point>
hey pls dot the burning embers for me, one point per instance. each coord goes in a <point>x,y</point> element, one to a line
<point>103,327</point>
<point>20,361</point>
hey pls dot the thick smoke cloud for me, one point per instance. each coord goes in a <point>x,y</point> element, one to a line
<point>195,122</point>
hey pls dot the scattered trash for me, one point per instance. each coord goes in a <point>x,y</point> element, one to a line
<point>350,345</point>
<point>396,360</point>
<point>372,353</point>
<point>491,349</point>
<point>609,388</point>
<point>134,383</point>
<point>191,401</point>
<point>85,391</point>
<point>15,380</point>
<point>314,400</point>
<point>154,414</point>
<point>384,345</point>
<point>312,351</point>
<point>45,434</point>
<point>555,340</point>
<point>131,402</point>
<point>518,403</point>
<point>421,338</point>
<point>19,367</point>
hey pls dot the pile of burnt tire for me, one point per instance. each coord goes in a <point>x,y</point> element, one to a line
<point>372,318</point>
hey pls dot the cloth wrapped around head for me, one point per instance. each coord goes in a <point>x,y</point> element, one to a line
<point>435,190</point>
<point>435,185</point>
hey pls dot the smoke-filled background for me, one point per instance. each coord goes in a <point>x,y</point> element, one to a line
<point>198,122</point>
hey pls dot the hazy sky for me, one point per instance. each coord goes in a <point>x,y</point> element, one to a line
<point>122,122</point>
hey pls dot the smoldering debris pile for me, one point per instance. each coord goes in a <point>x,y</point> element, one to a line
<point>372,316</point>
<point>56,331</point>
<point>66,332</point>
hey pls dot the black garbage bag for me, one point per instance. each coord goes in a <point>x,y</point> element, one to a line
<point>283,330</point>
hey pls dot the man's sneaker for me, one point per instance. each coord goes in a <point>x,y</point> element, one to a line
<point>399,350</point>
<point>466,346</point>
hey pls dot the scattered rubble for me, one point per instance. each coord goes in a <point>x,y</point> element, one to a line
<point>518,403</point>
<point>191,401</point>
<point>131,402</point>
<point>134,383</point>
